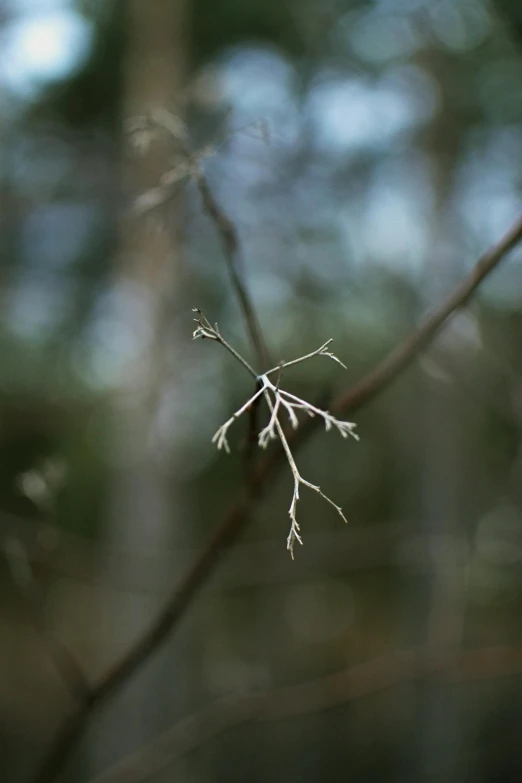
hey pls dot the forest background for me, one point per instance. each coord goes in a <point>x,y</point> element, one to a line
<point>300,170</point>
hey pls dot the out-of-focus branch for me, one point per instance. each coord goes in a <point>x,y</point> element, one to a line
<point>334,690</point>
<point>230,241</point>
<point>190,167</point>
<point>224,536</point>
<point>385,372</point>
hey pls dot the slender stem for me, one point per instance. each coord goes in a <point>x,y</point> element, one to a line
<point>206,330</point>
<point>238,356</point>
<point>225,228</point>
<point>230,242</point>
<point>283,365</point>
<point>286,447</point>
<point>221,434</point>
<point>268,432</point>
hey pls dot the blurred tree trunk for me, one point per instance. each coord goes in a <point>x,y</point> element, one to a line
<point>145,506</point>
<point>441,746</point>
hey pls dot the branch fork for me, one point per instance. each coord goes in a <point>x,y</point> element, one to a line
<point>278,401</point>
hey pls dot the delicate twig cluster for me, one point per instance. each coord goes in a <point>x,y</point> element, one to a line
<point>278,400</point>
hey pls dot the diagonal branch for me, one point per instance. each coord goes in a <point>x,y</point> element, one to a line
<point>224,536</point>
<point>406,352</point>
<point>314,696</point>
<point>322,351</point>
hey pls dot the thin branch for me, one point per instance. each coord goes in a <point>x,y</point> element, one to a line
<point>251,437</point>
<point>345,428</point>
<point>344,687</point>
<point>155,635</point>
<point>220,438</point>
<point>224,536</point>
<point>190,167</point>
<point>294,534</point>
<point>230,242</point>
<point>319,352</point>
<point>385,372</point>
<point>205,329</point>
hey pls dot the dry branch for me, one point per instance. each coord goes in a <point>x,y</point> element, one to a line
<point>308,698</point>
<point>278,399</point>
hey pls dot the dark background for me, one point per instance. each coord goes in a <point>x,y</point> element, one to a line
<point>367,154</point>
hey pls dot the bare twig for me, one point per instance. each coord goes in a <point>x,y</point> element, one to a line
<point>230,242</point>
<point>311,697</point>
<point>204,329</point>
<point>224,536</point>
<point>273,430</point>
<point>319,352</point>
<point>220,438</point>
<point>274,425</point>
